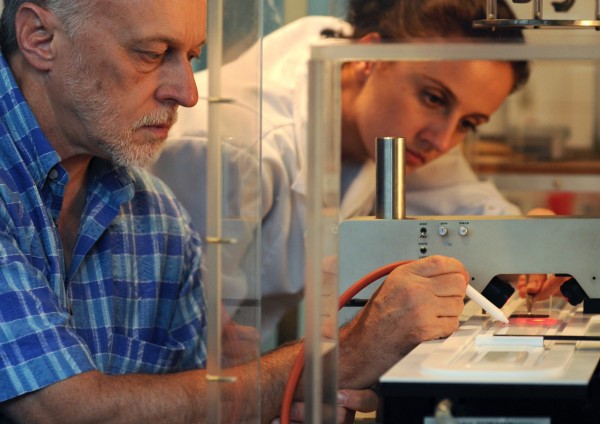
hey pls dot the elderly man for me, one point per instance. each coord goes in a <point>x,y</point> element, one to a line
<point>102,314</point>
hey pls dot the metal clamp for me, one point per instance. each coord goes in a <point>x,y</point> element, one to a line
<point>219,100</point>
<point>220,240</point>
<point>220,379</point>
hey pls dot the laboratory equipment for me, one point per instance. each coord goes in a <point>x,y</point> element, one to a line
<point>489,247</point>
<point>537,20</point>
<point>535,371</point>
<point>491,372</point>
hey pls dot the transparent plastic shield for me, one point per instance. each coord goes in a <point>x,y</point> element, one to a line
<point>323,200</point>
<point>232,209</point>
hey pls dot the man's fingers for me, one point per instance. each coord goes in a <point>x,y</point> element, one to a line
<point>348,402</point>
<point>435,265</point>
<point>297,416</point>
<point>358,400</point>
<point>449,275</point>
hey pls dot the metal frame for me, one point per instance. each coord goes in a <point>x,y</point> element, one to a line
<point>325,138</point>
<point>538,20</point>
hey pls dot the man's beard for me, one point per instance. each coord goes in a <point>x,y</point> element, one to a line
<point>100,114</point>
<point>123,149</point>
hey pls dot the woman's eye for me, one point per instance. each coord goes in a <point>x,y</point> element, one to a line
<point>433,99</point>
<point>467,126</point>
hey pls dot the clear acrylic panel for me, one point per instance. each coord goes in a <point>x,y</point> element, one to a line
<point>232,213</point>
<point>212,162</point>
<point>323,201</point>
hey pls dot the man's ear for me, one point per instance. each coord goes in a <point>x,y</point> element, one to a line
<point>35,27</point>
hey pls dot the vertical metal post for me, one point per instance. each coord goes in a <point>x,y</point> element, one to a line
<point>213,286</point>
<point>390,178</point>
<point>538,11</point>
<point>322,243</point>
<point>596,130</point>
<point>492,9</point>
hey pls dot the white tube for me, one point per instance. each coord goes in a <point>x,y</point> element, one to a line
<point>488,306</point>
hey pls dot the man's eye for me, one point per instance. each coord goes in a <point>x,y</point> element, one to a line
<point>151,56</point>
<point>155,56</point>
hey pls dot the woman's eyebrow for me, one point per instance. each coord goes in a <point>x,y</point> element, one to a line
<point>447,91</point>
<point>451,97</point>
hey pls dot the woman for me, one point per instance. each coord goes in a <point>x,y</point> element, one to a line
<point>433,105</point>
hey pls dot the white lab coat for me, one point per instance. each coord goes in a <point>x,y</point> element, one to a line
<point>446,186</point>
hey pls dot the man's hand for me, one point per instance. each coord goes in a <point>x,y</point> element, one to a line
<point>418,301</point>
<point>348,403</point>
<point>240,343</point>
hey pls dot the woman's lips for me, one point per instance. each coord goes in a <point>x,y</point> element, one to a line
<point>414,158</point>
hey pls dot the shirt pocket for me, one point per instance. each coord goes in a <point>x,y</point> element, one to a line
<point>129,355</point>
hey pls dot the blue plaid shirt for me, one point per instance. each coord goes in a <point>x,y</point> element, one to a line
<point>132,300</point>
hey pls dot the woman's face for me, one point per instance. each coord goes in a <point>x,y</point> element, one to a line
<point>433,105</point>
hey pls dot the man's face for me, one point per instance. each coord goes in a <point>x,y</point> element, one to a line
<point>126,74</point>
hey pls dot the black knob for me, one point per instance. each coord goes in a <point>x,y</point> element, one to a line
<point>563,6</point>
<point>573,291</point>
<point>498,291</point>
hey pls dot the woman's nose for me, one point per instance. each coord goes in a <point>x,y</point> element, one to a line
<point>443,135</point>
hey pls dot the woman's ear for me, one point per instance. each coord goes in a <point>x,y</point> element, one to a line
<point>35,27</point>
<point>371,37</point>
<point>363,69</point>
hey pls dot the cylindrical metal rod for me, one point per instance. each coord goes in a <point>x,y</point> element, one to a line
<point>492,9</point>
<point>538,10</point>
<point>390,185</point>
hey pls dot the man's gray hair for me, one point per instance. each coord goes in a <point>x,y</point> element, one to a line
<point>73,14</point>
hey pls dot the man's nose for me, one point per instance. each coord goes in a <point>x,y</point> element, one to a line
<point>179,85</point>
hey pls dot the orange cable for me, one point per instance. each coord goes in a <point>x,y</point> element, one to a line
<point>290,388</point>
